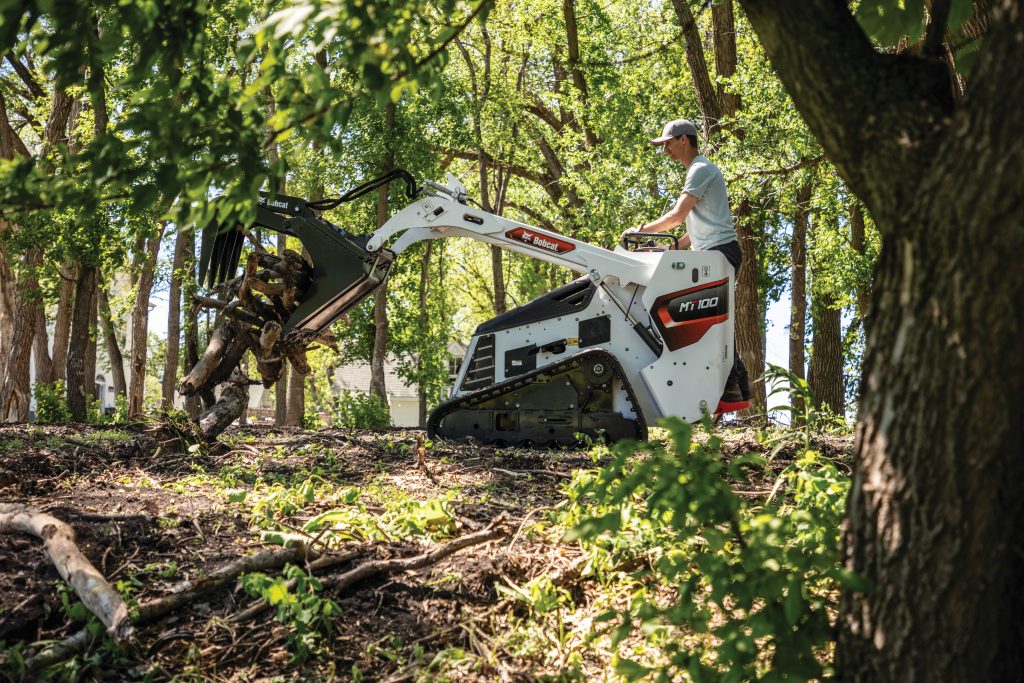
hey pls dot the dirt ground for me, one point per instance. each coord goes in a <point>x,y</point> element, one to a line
<point>143,522</point>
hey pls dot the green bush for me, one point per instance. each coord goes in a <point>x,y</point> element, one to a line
<point>51,402</point>
<point>751,582</point>
<point>360,411</point>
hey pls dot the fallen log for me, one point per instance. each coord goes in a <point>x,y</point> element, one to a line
<point>59,543</point>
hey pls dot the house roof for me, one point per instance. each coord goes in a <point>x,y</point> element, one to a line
<point>356,377</point>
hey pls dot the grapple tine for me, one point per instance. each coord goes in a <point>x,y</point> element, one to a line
<point>236,251</point>
<point>209,237</point>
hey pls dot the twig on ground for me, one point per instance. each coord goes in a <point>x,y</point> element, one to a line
<point>522,474</point>
<point>375,567</point>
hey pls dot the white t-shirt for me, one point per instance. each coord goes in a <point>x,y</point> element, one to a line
<point>710,221</point>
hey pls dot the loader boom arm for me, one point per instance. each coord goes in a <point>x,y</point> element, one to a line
<point>435,217</point>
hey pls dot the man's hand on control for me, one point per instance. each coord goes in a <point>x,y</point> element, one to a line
<point>632,231</point>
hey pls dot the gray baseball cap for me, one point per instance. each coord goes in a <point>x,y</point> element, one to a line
<point>674,129</point>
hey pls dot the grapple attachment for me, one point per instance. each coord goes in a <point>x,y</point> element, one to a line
<point>342,272</point>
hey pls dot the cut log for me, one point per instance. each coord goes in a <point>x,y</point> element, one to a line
<point>233,400</point>
<point>59,542</point>
<point>222,335</point>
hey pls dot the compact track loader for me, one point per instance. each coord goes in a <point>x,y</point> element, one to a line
<point>645,332</point>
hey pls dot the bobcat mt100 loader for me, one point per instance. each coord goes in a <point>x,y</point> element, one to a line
<point>644,333</point>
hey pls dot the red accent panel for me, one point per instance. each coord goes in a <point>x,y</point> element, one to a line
<point>540,240</point>
<point>680,334</point>
<point>724,407</point>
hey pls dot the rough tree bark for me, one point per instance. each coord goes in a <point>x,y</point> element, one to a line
<point>146,268</point>
<point>798,288</point>
<point>91,387</point>
<point>750,309</point>
<point>79,384</point>
<point>935,511</point>
<point>826,371</point>
<point>723,18</point>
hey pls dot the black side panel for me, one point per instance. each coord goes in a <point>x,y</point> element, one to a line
<point>572,298</point>
<point>595,331</point>
<point>481,366</point>
<point>518,361</point>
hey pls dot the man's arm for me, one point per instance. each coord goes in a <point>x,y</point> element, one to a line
<point>675,216</point>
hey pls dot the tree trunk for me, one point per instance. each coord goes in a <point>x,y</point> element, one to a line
<point>421,390</point>
<point>857,235</point>
<point>110,338</point>
<point>15,392</point>
<point>7,288</point>
<point>91,388</point>
<point>182,243</point>
<point>281,388</point>
<point>191,317</point>
<point>707,97</point>
<point>41,350</point>
<point>296,375</point>
<point>935,511</point>
<point>140,323</point>
<point>68,273</point>
<point>826,376</point>
<point>749,310</point>
<point>578,79</point>
<point>722,16</point>
<point>380,313</point>
<point>798,289</point>
<point>79,385</point>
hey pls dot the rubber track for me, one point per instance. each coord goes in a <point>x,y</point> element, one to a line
<point>473,399</point>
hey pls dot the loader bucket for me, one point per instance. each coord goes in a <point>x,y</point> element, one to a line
<point>343,272</point>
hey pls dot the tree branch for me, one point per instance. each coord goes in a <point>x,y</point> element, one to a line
<point>803,163</point>
<point>26,76</point>
<point>876,116</point>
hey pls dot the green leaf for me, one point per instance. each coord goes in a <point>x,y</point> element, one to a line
<point>594,526</point>
<point>630,669</point>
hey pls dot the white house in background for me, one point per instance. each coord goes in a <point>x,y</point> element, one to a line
<point>403,398</point>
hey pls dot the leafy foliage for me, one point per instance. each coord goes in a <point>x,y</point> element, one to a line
<point>356,410</point>
<point>752,583</point>
<point>294,595</point>
<point>51,402</point>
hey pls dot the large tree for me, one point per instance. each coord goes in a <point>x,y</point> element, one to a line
<point>935,513</point>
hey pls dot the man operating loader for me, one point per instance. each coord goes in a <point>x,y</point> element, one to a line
<point>704,206</point>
